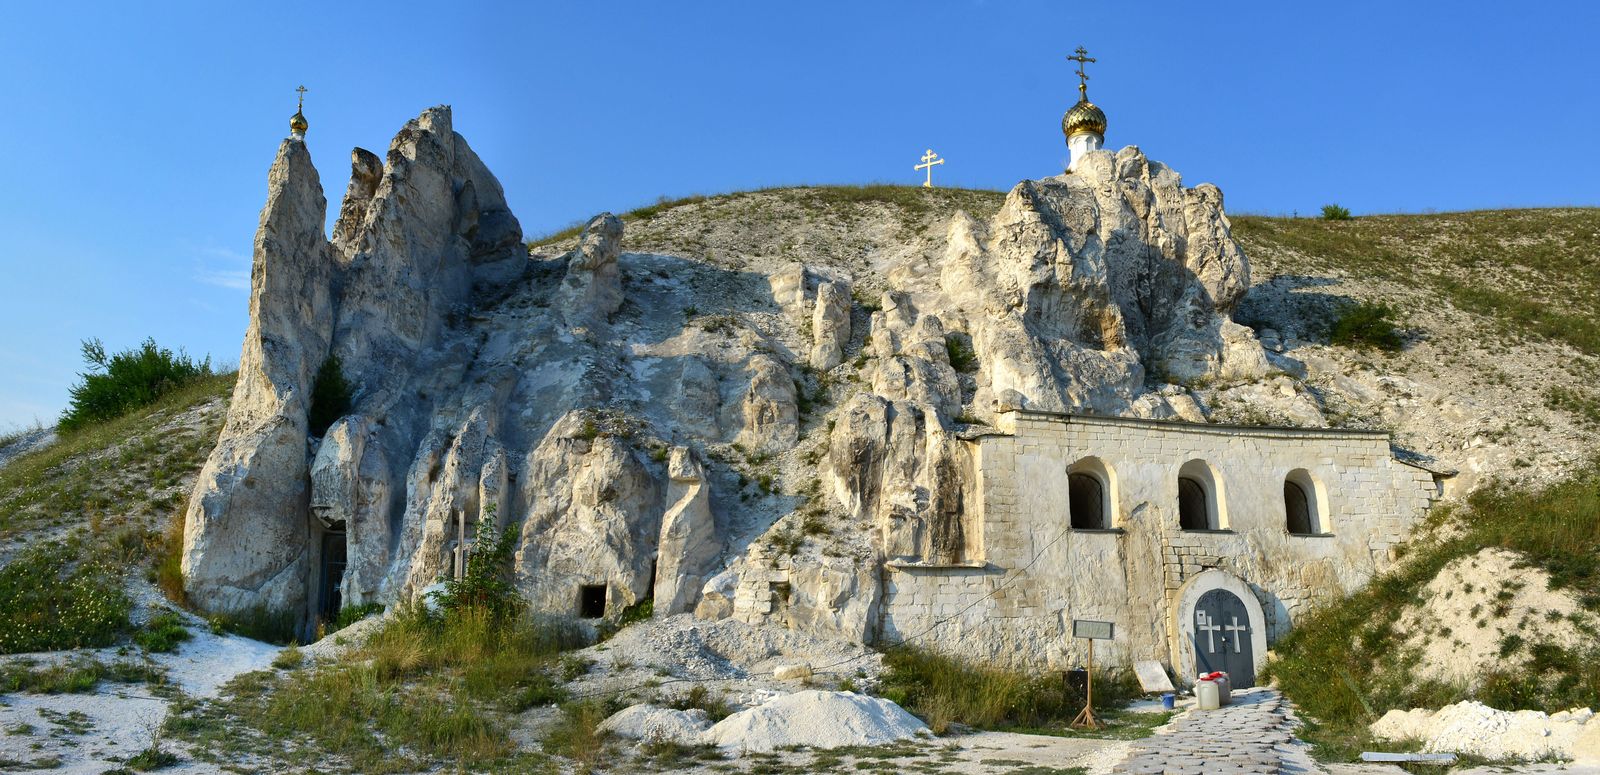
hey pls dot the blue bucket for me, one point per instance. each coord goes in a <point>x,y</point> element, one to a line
<point>1169,701</point>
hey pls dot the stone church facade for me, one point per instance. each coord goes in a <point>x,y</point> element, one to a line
<point>1140,523</point>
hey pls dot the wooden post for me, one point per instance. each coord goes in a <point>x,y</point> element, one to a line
<point>1086,717</point>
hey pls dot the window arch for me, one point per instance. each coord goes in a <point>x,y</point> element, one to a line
<point>1201,505</point>
<point>1091,494</point>
<point>1304,504</point>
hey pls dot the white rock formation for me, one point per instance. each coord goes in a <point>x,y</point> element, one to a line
<point>688,547</point>
<point>494,390</point>
<point>654,724</point>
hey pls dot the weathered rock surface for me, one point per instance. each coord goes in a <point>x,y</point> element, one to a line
<point>817,719</point>
<point>245,538</point>
<point>647,421</point>
<point>688,548</point>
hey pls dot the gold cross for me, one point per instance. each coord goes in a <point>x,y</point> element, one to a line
<point>302,90</point>
<point>928,160</point>
<point>1082,56</point>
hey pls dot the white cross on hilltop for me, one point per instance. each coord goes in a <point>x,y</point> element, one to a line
<point>928,160</point>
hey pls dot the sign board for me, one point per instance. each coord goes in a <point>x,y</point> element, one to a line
<point>1083,628</point>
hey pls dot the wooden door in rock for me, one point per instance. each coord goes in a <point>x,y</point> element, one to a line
<point>1222,638</point>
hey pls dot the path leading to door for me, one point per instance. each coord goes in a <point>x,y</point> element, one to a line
<point>1251,735</point>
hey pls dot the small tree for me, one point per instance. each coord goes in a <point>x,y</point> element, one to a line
<point>330,397</point>
<point>119,383</point>
<point>1335,213</point>
<point>486,583</point>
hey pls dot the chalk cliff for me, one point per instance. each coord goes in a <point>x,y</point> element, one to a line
<point>696,427</point>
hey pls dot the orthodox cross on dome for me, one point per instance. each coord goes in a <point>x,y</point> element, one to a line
<point>929,158</point>
<point>297,122</point>
<point>1081,56</point>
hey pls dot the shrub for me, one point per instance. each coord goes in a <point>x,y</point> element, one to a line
<point>125,381</point>
<point>162,633</point>
<point>1335,213</point>
<point>486,584</point>
<point>1364,325</point>
<point>330,396</point>
<point>962,358</point>
<point>51,600</point>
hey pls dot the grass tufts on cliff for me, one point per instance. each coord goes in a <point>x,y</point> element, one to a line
<point>1342,664</point>
<point>1534,273</point>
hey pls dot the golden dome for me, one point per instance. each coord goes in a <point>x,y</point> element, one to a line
<point>298,124</point>
<point>1084,117</point>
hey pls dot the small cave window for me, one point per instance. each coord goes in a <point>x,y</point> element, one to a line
<point>592,601</point>
<point>1086,499</point>
<point>1193,508</point>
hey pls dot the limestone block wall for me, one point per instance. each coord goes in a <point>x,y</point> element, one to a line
<point>1043,573</point>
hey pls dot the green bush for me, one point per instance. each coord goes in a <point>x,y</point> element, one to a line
<point>125,381</point>
<point>962,358</point>
<point>331,395</point>
<point>1365,325</point>
<point>50,599</point>
<point>1335,213</point>
<point>162,633</point>
<point>486,584</point>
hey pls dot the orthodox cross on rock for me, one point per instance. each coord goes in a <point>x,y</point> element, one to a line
<point>1081,56</point>
<point>302,105</point>
<point>928,160</point>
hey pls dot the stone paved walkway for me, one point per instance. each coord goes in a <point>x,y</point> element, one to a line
<point>1248,736</point>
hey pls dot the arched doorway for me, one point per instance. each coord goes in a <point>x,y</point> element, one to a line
<point>1222,638</point>
<point>1218,624</point>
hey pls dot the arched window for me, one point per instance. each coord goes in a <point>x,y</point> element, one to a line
<point>1304,504</point>
<point>1092,494</point>
<point>1087,500</point>
<point>1201,505</point>
<point>1193,513</point>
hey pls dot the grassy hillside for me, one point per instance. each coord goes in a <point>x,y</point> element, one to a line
<point>1535,272</point>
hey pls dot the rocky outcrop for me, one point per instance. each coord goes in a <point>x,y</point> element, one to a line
<point>592,288</point>
<point>594,514</point>
<point>497,391</point>
<point>830,325</point>
<point>688,548</point>
<point>246,542</point>
<point>768,418</point>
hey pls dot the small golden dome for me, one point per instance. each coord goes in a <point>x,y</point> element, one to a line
<point>1084,117</point>
<point>298,124</point>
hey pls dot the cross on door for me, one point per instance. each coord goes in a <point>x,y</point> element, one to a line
<point>1239,630</point>
<point>1203,622</point>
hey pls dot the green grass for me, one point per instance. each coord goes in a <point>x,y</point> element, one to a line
<point>79,675</point>
<point>1532,272</point>
<point>910,200</point>
<point>942,690</point>
<point>136,469</point>
<point>1341,663</point>
<point>423,690</point>
<point>51,598</point>
<point>162,633</point>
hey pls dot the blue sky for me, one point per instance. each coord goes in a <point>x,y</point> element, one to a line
<point>138,136</point>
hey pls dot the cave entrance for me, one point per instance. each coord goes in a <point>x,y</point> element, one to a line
<point>592,601</point>
<point>333,563</point>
